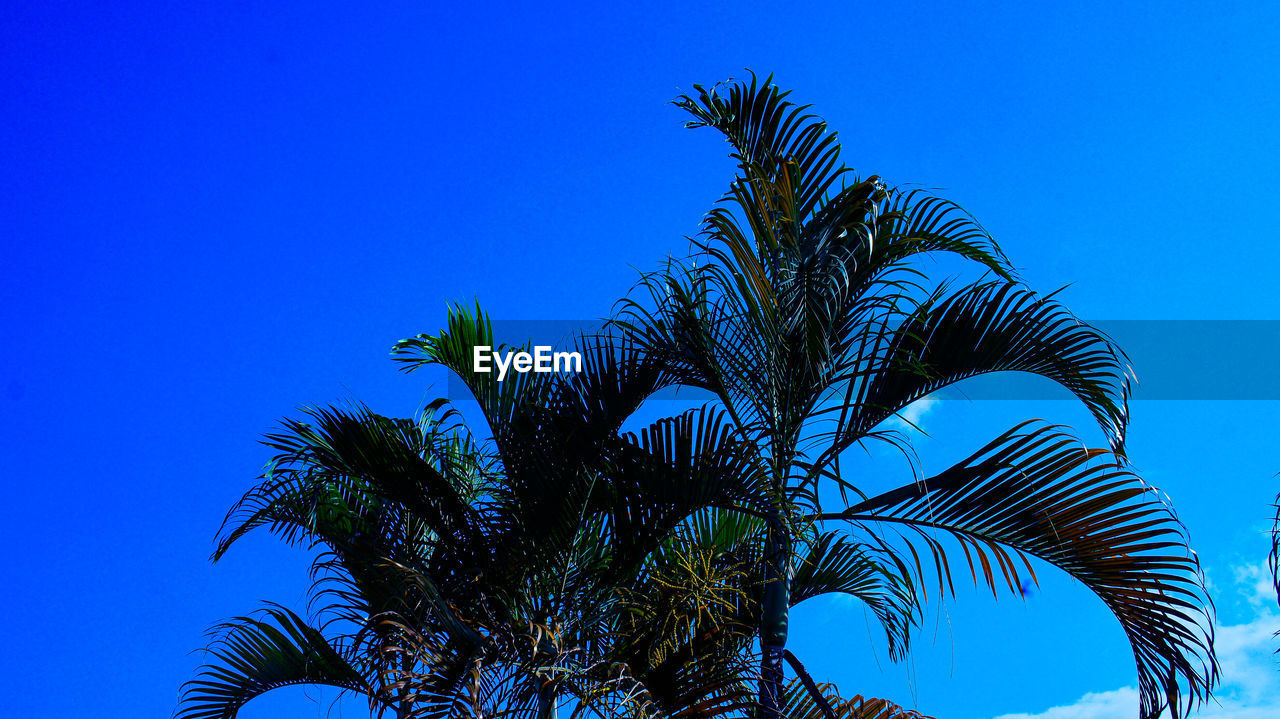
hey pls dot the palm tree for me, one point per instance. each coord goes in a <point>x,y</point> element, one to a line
<point>675,515</point>
<point>504,576</point>
<point>560,560</point>
<point>802,312</point>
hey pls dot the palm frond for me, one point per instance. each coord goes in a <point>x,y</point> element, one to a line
<point>1273,560</point>
<point>802,704</point>
<point>985,328</point>
<point>345,471</point>
<point>617,377</point>
<point>834,564</point>
<point>1039,491</point>
<point>251,656</point>
<point>668,472</point>
<point>771,133</point>
<point>454,348</point>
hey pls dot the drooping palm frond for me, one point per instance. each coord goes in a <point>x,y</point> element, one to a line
<point>355,466</point>
<point>981,329</point>
<point>252,656</point>
<point>676,466</point>
<point>683,327</point>
<point>1273,560</point>
<point>905,223</point>
<point>1037,490</point>
<point>503,402</point>
<point>801,703</point>
<point>835,564</point>
<point>617,377</point>
<point>768,132</point>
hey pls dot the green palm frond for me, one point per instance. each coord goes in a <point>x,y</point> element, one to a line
<point>251,656</point>
<point>617,376</point>
<point>344,471</point>
<point>670,471</point>
<point>802,704</point>
<point>453,347</point>
<point>769,132</point>
<point>835,564</point>
<point>1038,491</point>
<point>985,328</point>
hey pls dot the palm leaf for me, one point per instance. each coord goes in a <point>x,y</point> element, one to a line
<point>985,328</point>
<point>769,132</point>
<point>670,471</point>
<point>454,347</point>
<point>344,459</point>
<point>1273,560</point>
<point>802,704</point>
<point>837,565</point>
<point>1037,490</point>
<point>617,377</point>
<point>252,656</point>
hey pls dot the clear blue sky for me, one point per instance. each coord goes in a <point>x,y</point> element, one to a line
<point>211,213</point>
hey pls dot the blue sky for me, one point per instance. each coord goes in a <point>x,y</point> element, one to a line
<point>215,213</point>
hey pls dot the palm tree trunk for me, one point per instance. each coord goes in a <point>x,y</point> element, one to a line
<point>547,700</point>
<point>773,626</point>
<point>771,677</point>
<point>406,704</point>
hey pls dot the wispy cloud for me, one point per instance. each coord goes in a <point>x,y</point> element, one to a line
<point>912,415</point>
<point>1250,687</point>
<point>1118,704</point>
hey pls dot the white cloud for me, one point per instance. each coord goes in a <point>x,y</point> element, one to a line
<point>1118,704</point>
<point>911,415</point>
<point>1259,592</point>
<point>1250,687</point>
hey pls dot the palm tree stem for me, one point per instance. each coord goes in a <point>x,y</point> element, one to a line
<point>773,625</point>
<point>771,677</point>
<point>547,700</point>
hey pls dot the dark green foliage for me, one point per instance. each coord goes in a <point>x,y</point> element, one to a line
<point>556,560</point>
<point>254,655</point>
<point>805,312</point>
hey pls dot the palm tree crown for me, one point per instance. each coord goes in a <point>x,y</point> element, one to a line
<point>803,313</point>
<point>558,560</point>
